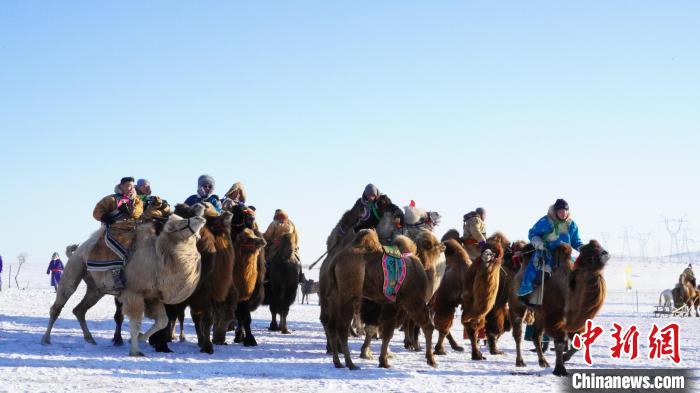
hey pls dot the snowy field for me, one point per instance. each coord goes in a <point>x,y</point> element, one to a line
<point>298,362</point>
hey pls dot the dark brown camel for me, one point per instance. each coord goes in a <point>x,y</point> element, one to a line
<point>281,289</point>
<point>213,290</point>
<point>572,295</point>
<point>356,273</point>
<point>497,321</point>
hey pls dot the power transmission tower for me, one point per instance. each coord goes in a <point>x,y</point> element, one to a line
<point>673,226</point>
<point>643,240</point>
<point>626,249</point>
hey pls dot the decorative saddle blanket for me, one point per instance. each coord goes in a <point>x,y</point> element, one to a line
<point>394,267</point>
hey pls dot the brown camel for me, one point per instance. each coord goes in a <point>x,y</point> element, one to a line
<point>248,274</point>
<point>281,289</point>
<point>428,250</point>
<point>572,295</point>
<point>449,294</point>
<point>473,285</point>
<point>497,321</point>
<point>355,273</point>
<point>689,293</point>
<point>479,298</point>
<point>214,294</point>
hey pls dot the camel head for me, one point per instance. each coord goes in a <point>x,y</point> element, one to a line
<point>516,254</point>
<point>220,224</point>
<point>243,216</point>
<point>592,256</point>
<point>249,241</point>
<point>455,253</point>
<point>198,209</point>
<point>286,247</point>
<point>492,253</point>
<point>367,240</point>
<point>180,229</point>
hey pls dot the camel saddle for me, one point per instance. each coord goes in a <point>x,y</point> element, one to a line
<point>394,269</point>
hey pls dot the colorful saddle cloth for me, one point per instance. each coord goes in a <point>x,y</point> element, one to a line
<point>394,267</point>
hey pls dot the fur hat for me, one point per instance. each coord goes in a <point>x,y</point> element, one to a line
<point>205,179</point>
<point>237,186</point>
<point>560,204</point>
<point>280,214</point>
<point>142,182</point>
<point>480,211</point>
<point>370,189</point>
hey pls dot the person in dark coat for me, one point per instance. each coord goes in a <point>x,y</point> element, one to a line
<point>56,269</point>
<point>205,193</point>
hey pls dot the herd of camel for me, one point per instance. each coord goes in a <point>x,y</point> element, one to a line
<point>215,264</point>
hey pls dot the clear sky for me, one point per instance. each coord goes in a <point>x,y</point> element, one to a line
<point>454,104</point>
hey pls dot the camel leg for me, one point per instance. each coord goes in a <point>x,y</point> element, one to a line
<point>366,351</point>
<point>206,322</point>
<point>333,343</point>
<point>65,289</point>
<point>181,318</point>
<point>439,346</point>
<point>283,323</point>
<point>273,323</point>
<point>172,323</point>
<point>518,337</point>
<point>244,319</point>
<point>568,354</point>
<point>92,296</point>
<point>346,350</point>
<point>118,320</point>
<point>197,320</point>
<point>161,320</point>
<point>134,308</point>
<point>537,342</point>
<point>471,333</point>
<point>388,322</point>
<point>493,345</point>
<point>220,322</point>
<point>453,343</point>
<point>420,314</point>
<point>560,369</point>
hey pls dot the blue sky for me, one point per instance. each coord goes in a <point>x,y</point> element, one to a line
<point>454,104</point>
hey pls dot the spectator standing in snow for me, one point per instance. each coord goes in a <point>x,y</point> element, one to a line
<point>55,269</point>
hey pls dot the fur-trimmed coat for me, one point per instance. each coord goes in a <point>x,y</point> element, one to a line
<point>274,233</point>
<point>554,231</point>
<point>122,230</point>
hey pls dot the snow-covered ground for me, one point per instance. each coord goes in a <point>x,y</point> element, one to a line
<point>298,362</point>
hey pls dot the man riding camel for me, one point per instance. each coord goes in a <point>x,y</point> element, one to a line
<point>205,193</point>
<point>153,206</point>
<point>280,226</point>
<point>690,275</point>
<point>546,235</point>
<point>118,213</point>
<point>236,195</point>
<point>474,232</point>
